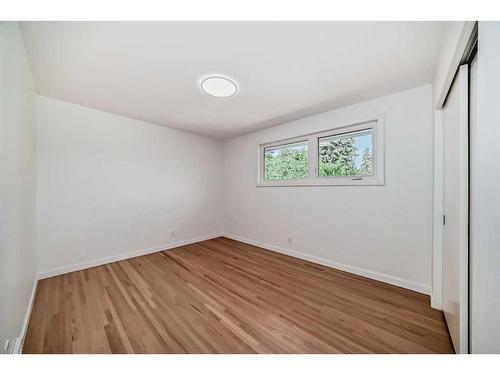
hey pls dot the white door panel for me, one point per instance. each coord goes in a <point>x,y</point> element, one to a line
<point>455,204</point>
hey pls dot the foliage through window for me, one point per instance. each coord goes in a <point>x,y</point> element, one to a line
<point>346,154</point>
<point>286,162</point>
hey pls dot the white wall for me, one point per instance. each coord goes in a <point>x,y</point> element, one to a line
<point>17,183</point>
<point>383,232</point>
<point>484,195</point>
<point>109,185</point>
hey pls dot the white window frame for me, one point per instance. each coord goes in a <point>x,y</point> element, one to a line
<point>376,124</point>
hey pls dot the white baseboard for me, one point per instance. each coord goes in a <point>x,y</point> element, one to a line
<point>436,300</point>
<point>343,267</point>
<point>114,258</point>
<point>436,304</point>
<point>19,341</point>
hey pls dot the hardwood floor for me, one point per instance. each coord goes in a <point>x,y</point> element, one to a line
<point>223,296</point>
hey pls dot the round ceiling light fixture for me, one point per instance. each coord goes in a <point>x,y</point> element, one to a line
<point>219,86</point>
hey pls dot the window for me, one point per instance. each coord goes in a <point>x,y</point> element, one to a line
<point>286,162</point>
<point>348,155</point>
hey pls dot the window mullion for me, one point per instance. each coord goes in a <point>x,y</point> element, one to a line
<point>312,157</point>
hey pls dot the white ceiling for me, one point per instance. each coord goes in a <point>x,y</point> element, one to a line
<point>285,70</point>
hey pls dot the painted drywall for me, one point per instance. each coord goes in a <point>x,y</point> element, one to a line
<point>17,184</point>
<point>381,231</point>
<point>110,185</point>
<point>484,198</point>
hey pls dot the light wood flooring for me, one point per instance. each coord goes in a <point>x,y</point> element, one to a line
<point>224,296</point>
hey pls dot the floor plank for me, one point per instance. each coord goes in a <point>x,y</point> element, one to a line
<point>224,296</point>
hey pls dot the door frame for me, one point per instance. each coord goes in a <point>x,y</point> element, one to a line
<point>467,47</point>
<point>463,47</point>
<point>464,211</point>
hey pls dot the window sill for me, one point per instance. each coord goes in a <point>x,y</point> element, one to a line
<point>328,181</point>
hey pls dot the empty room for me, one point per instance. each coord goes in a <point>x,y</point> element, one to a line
<point>266,187</point>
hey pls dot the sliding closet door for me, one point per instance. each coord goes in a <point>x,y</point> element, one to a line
<point>455,202</point>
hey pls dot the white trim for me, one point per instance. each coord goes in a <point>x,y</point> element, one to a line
<point>340,266</point>
<point>121,256</point>
<point>17,346</point>
<point>437,230</point>
<point>460,48</point>
<point>19,341</point>
<point>375,123</point>
<point>464,209</point>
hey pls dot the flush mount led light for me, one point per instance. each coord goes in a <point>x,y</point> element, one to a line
<point>219,86</point>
